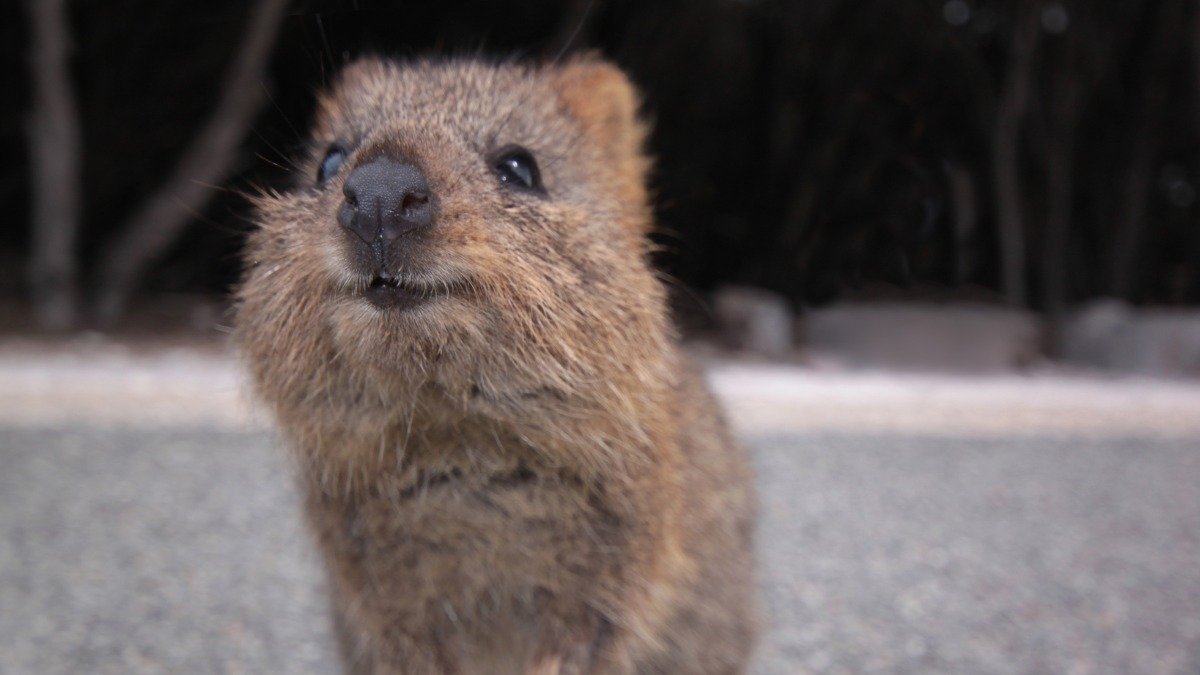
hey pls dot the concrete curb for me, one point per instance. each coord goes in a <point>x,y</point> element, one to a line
<point>113,386</point>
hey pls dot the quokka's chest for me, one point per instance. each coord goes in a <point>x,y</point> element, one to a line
<point>447,540</point>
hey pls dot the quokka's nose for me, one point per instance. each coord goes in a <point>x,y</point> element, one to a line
<point>385,199</point>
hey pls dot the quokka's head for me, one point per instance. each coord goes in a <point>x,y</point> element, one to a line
<point>479,225</point>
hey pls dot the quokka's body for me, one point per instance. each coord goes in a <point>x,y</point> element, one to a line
<point>508,464</point>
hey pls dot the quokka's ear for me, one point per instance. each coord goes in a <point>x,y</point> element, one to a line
<point>606,104</point>
<point>601,97</point>
<point>361,75</point>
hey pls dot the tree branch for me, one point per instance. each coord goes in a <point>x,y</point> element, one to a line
<point>1006,138</point>
<point>54,148</point>
<point>207,161</point>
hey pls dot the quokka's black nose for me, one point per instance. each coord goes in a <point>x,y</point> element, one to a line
<point>385,200</point>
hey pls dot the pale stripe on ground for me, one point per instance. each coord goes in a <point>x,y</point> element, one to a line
<point>110,385</point>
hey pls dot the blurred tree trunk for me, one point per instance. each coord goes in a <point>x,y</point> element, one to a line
<point>54,149</point>
<point>1084,54</point>
<point>810,166</point>
<point>1128,233</point>
<point>1006,139</point>
<point>1131,219</point>
<point>964,211</point>
<point>206,162</point>
<point>1058,129</point>
<point>1193,260</point>
<point>1060,200</point>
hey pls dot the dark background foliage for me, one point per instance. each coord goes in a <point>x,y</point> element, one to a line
<point>823,149</point>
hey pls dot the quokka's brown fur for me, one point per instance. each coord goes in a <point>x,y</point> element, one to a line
<point>524,474</point>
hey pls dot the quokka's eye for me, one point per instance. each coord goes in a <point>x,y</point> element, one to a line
<point>334,158</point>
<point>516,168</point>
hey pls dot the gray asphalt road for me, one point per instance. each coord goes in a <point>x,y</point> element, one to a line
<point>181,552</point>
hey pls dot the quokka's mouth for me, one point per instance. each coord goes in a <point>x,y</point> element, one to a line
<point>389,292</point>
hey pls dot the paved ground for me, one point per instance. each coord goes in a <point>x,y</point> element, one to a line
<point>179,551</point>
<point>957,555</point>
<point>1047,523</point>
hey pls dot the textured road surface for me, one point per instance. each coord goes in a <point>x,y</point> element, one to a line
<point>180,551</point>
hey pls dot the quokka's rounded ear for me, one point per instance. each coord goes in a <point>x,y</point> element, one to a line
<point>363,74</point>
<point>364,68</point>
<point>601,97</point>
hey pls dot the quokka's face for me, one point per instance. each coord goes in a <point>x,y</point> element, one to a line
<point>461,213</point>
